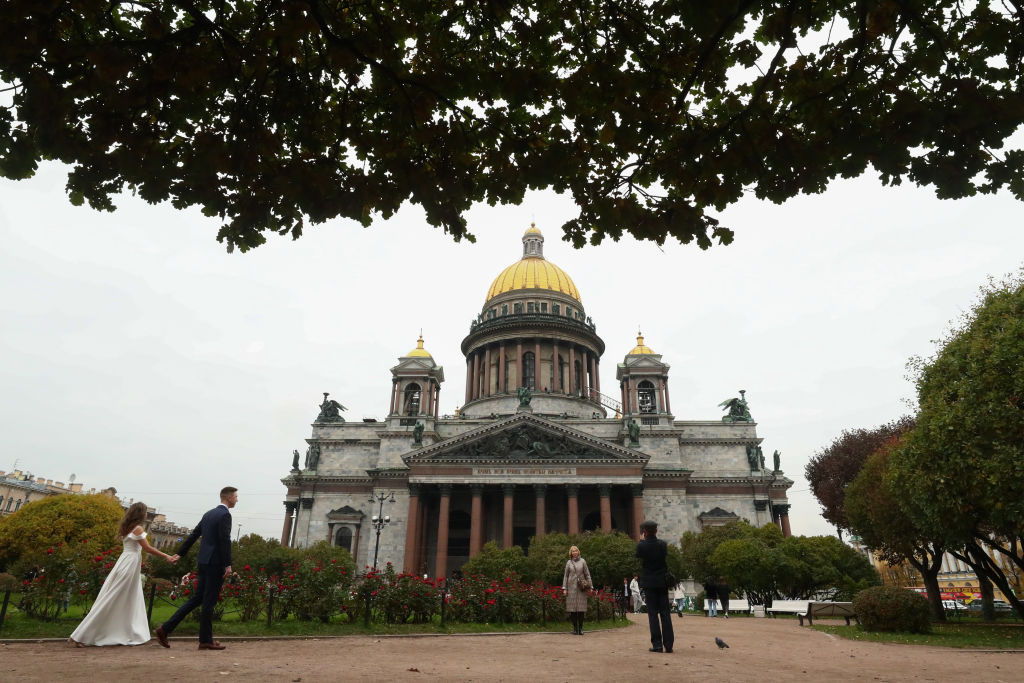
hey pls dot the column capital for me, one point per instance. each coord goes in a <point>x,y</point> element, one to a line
<point>637,490</point>
<point>781,508</point>
<point>307,503</point>
<point>540,490</point>
<point>508,489</point>
<point>477,489</point>
<point>445,489</point>
<point>415,489</point>
<point>573,489</point>
<point>760,505</point>
<point>290,505</point>
<point>604,489</point>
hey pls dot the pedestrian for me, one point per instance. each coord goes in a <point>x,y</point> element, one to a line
<point>723,596</point>
<point>711,596</point>
<point>118,617</point>
<point>677,597</point>
<point>576,584</point>
<point>626,596</point>
<point>214,565</point>
<point>653,553</point>
<point>634,591</point>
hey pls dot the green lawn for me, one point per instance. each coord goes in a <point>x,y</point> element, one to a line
<point>1007,635</point>
<point>18,625</point>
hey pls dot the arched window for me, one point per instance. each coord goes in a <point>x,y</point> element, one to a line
<point>18,505</point>
<point>10,500</point>
<point>529,374</point>
<point>579,377</point>
<point>646,398</point>
<point>412,399</point>
<point>343,538</point>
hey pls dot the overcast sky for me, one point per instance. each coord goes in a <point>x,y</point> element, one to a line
<point>136,353</point>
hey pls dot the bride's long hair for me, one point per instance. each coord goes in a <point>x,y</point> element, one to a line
<point>134,517</point>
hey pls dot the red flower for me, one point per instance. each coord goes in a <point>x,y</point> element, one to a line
<point>82,591</point>
<point>49,551</point>
<point>247,567</point>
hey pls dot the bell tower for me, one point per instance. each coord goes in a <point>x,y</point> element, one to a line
<point>643,379</point>
<point>415,388</point>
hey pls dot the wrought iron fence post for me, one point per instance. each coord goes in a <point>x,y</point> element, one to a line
<point>544,611</point>
<point>443,596</point>
<point>3,610</point>
<point>366,614</point>
<point>270,607</point>
<point>501,615</point>
<point>149,610</point>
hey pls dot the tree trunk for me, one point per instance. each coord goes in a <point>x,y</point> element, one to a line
<point>928,565</point>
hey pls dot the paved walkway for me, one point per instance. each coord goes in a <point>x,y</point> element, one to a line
<point>759,650</point>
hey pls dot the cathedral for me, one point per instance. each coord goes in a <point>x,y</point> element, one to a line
<point>537,447</point>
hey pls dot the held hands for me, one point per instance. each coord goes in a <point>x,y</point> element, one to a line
<point>227,571</point>
<point>173,559</point>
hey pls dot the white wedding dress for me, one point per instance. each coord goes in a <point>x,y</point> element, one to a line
<point>118,617</point>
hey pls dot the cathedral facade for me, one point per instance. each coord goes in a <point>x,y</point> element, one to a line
<point>538,446</point>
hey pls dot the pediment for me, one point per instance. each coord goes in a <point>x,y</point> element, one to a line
<point>526,438</point>
<point>646,361</point>
<point>417,364</point>
<point>346,511</point>
<point>718,513</point>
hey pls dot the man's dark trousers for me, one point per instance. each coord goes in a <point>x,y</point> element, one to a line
<point>209,579</point>
<point>662,635</point>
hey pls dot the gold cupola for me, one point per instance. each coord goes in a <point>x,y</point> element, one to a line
<point>533,272</point>
<point>641,349</point>
<point>419,351</point>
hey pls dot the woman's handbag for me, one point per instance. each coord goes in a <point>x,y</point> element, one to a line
<point>582,583</point>
<point>670,579</point>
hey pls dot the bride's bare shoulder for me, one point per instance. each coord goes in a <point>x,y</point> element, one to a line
<point>138,531</point>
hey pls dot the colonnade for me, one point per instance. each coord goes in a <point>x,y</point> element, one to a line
<point>417,531</point>
<point>486,365</point>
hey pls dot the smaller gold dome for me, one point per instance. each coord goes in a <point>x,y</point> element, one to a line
<point>419,351</point>
<point>533,230</point>
<point>640,349</point>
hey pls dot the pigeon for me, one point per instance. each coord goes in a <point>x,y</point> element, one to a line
<point>720,643</point>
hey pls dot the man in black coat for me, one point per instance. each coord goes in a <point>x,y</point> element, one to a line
<point>213,566</point>
<point>653,554</point>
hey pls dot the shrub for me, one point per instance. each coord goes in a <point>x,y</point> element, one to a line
<point>887,608</point>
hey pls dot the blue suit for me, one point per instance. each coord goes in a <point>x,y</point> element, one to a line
<point>653,553</point>
<point>214,557</point>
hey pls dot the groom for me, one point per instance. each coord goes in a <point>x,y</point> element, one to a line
<point>214,566</point>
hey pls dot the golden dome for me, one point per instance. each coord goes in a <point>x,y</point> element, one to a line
<point>640,349</point>
<point>533,271</point>
<point>419,351</point>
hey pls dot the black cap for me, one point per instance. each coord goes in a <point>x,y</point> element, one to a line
<point>649,525</point>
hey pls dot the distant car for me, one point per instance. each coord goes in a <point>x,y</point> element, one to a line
<point>953,605</point>
<point>999,605</point>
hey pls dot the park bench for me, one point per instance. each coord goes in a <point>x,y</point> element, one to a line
<point>827,609</point>
<point>787,607</point>
<point>735,605</point>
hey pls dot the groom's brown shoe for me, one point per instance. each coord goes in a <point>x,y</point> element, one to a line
<point>161,636</point>
<point>212,646</point>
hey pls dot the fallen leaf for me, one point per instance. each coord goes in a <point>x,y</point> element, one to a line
<point>413,668</point>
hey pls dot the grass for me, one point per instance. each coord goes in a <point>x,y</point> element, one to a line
<point>19,625</point>
<point>978,635</point>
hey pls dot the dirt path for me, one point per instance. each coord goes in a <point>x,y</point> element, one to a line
<point>760,649</point>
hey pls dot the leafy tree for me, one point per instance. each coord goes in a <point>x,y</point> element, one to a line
<point>697,548</point>
<point>87,523</point>
<point>652,115</point>
<point>832,469</point>
<point>874,513</point>
<point>958,474</point>
<point>496,563</point>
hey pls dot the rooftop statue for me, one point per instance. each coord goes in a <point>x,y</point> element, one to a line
<point>777,457</point>
<point>738,409</point>
<point>525,396</point>
<point>295,461</point>
<point>312,456</point>
<point>634,431</point>
<point>330,410</point>
<point>417,433</point>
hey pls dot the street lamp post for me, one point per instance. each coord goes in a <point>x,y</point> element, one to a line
<point>380,520</point>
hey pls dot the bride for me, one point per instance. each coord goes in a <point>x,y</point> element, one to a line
<point>118,617</point>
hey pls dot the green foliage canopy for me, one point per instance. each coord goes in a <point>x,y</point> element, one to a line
<point>610,557</point>
<point>87,523</point>
<point>959,471</point>
<point>652,115</point>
